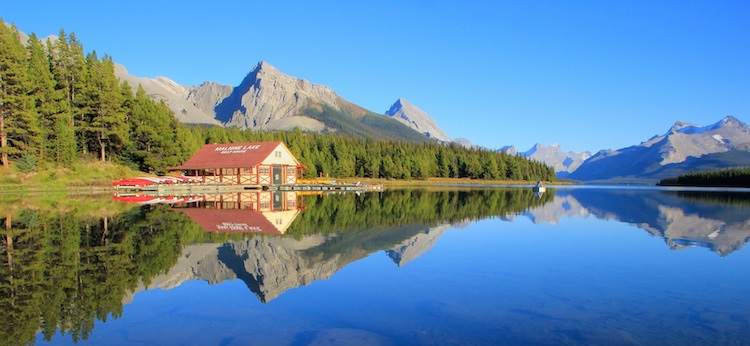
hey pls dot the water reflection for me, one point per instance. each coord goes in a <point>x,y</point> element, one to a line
<point>719,221</point>
<point>67,262</point>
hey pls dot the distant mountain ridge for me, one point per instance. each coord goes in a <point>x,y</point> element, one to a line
<point>271,100</point>
<point>553,155</point>
<point>683,148</point>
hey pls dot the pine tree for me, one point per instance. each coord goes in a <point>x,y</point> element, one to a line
<point>42,92</point>
<point>105,122</point>
<point>14,102</point>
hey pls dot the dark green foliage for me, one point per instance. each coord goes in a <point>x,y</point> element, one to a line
<point>63,269</point>
<point>59,106</point>
<point>408,207</point>
<point>16,119</point>
<point>732,177</point>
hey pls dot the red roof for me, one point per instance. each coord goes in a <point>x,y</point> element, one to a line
<point>232,155</point>
<point>231,220</point>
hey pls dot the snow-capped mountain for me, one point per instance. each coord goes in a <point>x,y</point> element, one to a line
<point>683,148</point>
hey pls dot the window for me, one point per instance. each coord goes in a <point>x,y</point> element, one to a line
<point>264,170</point>
<point>277,153</point>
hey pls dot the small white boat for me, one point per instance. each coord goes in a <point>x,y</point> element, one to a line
<point>539,187</point>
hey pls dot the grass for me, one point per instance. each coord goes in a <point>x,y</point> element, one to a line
<point>81,175</point>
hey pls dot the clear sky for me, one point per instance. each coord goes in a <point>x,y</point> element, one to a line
<point>588,75</point>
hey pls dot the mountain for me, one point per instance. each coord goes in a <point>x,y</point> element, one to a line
<point>555,157</point>
<point>509,149</point>
<point>271,100</point>
<point>683,148</point>
<point>417,119</point>
<point>463,142</point>
<point>176,96</point>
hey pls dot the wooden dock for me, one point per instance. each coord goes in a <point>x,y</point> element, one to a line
<point>213,188</point>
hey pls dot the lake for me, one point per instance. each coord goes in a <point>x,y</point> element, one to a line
<point>445,265</point>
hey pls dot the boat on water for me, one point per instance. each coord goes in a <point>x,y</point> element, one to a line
<point>539,187</point>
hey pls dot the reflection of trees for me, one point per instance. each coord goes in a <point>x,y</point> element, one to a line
<point>66,263</point>
<point>64,267</point>
<point>344,212</point>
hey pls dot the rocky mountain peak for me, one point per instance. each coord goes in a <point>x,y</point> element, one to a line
<point>417,119</point>
<point>679,125</point>
<point>730,121</point>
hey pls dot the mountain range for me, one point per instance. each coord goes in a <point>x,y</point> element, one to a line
<point>271,100</point>
<point>683,148</point>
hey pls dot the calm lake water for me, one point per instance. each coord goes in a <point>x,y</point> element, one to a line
<point>449,266</point>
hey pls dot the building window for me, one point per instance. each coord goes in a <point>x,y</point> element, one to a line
<point>278,153</point>
<point>264,171</point>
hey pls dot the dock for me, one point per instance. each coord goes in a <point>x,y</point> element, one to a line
<point>217,188</point>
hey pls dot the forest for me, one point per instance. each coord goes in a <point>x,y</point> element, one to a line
<point>731,177</point>
<point>60,106</point>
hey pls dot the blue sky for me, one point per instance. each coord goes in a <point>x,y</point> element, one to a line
<point>588,75</point>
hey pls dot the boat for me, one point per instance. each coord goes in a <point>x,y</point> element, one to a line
<point>539,187</point>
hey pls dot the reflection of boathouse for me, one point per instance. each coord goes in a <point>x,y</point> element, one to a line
<point>266,212</point>
<point>256,163</point>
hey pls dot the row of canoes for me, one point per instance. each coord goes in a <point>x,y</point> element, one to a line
<point>149,181</point>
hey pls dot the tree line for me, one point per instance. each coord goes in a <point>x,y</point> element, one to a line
<point>60,106</point>
<point>731,177</point>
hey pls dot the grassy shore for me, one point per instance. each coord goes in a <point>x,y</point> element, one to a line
<point>84,175</point>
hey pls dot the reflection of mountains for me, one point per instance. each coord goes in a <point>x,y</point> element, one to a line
<point>719,221</point>
<point>325,235</point>
<point>269,266</point>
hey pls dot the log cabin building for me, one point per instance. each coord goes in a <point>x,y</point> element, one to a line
<point>252,163</point>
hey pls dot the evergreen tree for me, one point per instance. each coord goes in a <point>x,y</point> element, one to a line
<point>46,99</point>
<point>105,121</point>
<point>15,115</point>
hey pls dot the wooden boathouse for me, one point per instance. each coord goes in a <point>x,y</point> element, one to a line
<point>260,164</point>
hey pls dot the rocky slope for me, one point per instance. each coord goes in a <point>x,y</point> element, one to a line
<point>417,119</point>
<point>683,148</point>
<point>271,100</point>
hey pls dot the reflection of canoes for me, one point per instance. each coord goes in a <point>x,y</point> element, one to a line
<point>539,187</point>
